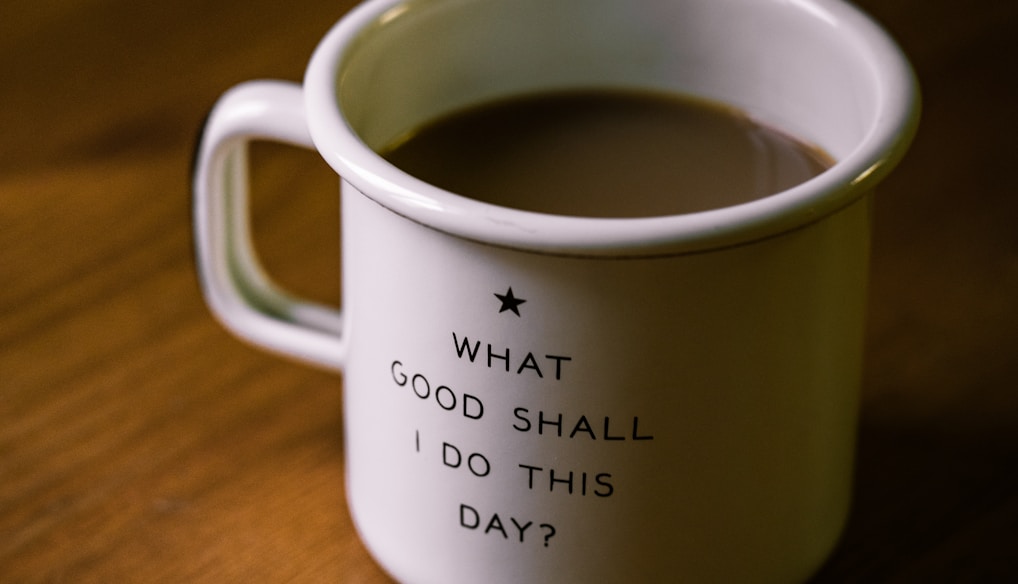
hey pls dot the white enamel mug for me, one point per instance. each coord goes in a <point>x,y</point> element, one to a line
<point>543,398</point>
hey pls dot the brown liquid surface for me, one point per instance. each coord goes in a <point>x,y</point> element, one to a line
<point>606,154</point>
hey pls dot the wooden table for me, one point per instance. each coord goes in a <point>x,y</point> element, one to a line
<point>139,442</point>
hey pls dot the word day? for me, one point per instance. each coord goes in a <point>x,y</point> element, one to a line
<point>517,529</point>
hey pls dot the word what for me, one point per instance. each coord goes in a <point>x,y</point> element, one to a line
<point>499,358</point>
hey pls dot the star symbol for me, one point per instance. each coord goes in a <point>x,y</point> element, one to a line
<point>509,302</point>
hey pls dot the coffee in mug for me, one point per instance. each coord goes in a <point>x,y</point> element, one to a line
<point>600,153</point>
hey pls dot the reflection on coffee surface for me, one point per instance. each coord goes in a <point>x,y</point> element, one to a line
<point>606,153</point>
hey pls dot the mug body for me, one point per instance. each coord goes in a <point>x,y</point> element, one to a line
<point>520,417</point>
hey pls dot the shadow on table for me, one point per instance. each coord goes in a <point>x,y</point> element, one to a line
<point>931,505</point>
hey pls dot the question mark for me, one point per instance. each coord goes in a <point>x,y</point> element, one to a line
<point>551,532</point>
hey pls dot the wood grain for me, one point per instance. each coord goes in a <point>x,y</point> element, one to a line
<point>139,442</point>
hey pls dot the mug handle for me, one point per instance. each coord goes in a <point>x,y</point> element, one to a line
<point>236,288</point>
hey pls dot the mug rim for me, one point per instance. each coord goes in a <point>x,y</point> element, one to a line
<point>849,179</point>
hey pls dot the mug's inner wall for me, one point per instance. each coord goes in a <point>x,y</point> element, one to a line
<point>784,62</point>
